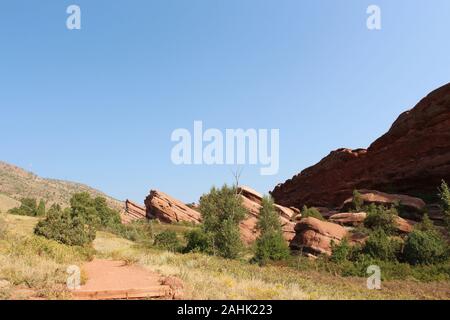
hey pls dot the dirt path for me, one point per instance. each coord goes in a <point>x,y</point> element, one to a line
<point>109,279</point>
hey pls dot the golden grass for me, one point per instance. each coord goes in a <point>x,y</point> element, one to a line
<point>7,203</point>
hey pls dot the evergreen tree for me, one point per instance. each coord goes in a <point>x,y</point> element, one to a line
<point>270,244</point>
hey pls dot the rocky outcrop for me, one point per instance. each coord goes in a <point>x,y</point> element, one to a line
<point>251,200</point>
<point>133,212</point>
<point>411,158</point>
<point>380,198</point>
<point>315,237</point>
<point>349,218</point>
<point>167,209</point>
<point>354,219</point>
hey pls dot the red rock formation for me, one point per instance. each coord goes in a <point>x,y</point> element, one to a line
<point>167,209</point>
<point>411,158</point>
<point>133,212</point>
<point>315,237</point>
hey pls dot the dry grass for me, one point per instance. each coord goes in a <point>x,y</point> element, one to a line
<point>34,266</point>
<point>7,203</point>
<point>33,262</point>
<point>209,277</point>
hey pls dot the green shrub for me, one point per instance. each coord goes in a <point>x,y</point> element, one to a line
<point>222,211</point>
<point>425,225</point>
<point>168,240</point>
<point>424,247</point>
<point>140,231</point>
<point>379,217</point>
<point>62,227</point>
<point>357,201</point>
<point>270,244</point>
<point>28,207</point>
<point>311,212</point>
<point>40,211</point>
<point>197,241</point>
<point>380,246</point>
<point>341,252</point>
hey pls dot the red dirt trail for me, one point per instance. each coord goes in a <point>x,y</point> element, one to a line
<point>116,280</point>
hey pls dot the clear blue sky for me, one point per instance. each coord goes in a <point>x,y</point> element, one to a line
<point>98,105</point>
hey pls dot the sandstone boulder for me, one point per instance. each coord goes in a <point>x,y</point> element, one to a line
<point>411,158</point>
<point>167,209</point>
<point>348,218</point>
<point>316,237</point>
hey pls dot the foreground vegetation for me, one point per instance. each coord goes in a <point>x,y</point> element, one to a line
<point>211,259</point>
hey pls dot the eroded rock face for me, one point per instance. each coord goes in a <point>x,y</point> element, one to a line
<point>133,212</point>
<point>167,209</point>
<point>411,158</point>
<point>381,198</point>
<point>316,237</point>
<point>251,200</point>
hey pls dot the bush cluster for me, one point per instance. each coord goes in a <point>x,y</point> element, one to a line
<point>61,226</point>
<point>29,207</point>
<point>168,240</point>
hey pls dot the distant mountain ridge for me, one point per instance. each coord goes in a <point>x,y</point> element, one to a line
<point>17,183</point>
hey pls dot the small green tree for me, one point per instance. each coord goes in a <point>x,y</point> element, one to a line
<point>311,212</point>
<point>270,244</point>
<point>444,195</point>
<point>357,201</point>
<point>222,211</point>
<point>93,211</point>
<point>40,212</point>
<point>424,247</point>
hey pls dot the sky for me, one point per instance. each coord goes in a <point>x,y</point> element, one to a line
<point>99,105</point>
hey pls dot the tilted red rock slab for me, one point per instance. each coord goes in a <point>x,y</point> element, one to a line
<point>411,158</point>
<point>168,209</point>
<point>133,212</point>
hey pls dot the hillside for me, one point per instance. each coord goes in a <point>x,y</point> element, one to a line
<point>17,183</point>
